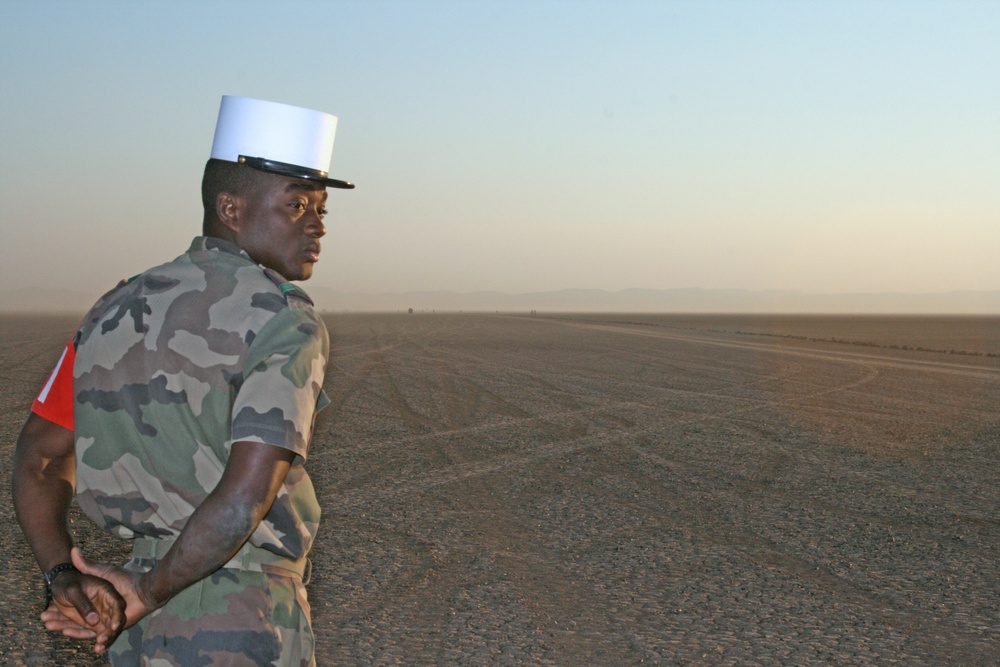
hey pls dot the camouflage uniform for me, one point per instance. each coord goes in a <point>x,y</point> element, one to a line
<point>171,369</point>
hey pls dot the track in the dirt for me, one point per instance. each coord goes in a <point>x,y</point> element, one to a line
<point>508,490</point>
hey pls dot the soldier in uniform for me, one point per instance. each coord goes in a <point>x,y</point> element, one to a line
<point>194,390</point>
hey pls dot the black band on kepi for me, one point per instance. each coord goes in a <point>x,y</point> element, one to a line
<point>294,171</point>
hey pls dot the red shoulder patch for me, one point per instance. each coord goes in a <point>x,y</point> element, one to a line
<point>55,400</point>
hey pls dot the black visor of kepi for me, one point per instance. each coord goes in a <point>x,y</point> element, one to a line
<point>294,171</point>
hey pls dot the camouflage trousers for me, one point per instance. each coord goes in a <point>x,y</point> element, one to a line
<point>233,617</point>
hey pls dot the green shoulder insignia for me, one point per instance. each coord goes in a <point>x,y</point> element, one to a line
<point>294,295</point>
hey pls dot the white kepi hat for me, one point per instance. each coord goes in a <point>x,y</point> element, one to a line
<point>276,138</point>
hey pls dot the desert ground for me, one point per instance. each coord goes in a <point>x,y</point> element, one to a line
<point>501,489</point>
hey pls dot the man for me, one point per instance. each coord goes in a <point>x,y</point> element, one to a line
<point>194,388</point>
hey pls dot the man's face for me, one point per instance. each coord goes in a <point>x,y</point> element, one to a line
<point>282,225</point>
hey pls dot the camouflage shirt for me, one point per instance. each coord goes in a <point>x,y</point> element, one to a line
<point>176,365</point>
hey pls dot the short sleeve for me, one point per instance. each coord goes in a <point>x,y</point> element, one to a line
<point>55,401</point>
<point>282,387</point>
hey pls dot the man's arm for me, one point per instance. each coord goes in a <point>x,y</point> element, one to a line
<point>214,533</point>
<point>42,486</point>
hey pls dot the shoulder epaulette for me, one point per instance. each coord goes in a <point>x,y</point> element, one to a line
<point>294,295</point>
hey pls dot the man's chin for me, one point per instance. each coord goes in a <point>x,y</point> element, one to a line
<point>296,272</point>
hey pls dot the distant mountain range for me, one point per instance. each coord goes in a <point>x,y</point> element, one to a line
<point>591,300</point>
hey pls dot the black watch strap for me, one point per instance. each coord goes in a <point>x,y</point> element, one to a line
<point>51,575</point>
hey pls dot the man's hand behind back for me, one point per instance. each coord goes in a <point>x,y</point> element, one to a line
<point>86,607</point>
<point>126,584</point>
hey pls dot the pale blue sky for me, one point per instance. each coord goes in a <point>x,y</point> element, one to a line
<point>521,146</point>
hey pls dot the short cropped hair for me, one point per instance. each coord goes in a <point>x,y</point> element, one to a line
<point>224,176</point>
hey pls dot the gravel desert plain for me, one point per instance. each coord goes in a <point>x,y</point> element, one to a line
<point>501,489</point>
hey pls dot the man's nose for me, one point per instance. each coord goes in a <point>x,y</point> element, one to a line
<point>315,226</point>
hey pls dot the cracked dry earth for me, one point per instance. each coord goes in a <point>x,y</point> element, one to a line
<point>603,490</point>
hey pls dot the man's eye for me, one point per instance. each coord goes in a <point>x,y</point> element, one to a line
<point>321,211</point>
<point>298,205</point>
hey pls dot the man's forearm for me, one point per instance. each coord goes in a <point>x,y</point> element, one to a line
<point>222,523</point>
<point>44,476</point>
<point>212,535</point>
<point>42,487</point>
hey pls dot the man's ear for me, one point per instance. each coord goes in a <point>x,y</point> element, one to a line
<point>229,210</point>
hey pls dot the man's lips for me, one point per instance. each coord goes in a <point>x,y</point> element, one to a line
<point>312,253</point>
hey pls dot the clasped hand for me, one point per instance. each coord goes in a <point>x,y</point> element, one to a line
<point>98,602</point>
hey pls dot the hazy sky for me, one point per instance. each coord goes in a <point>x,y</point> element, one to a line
<point>521,146</point>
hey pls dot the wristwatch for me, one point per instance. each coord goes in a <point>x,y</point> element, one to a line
<point>51,575</point>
